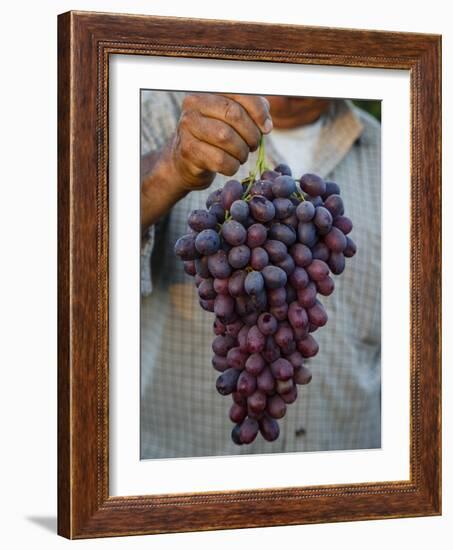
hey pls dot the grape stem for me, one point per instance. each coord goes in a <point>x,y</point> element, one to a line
<point>260,167</point>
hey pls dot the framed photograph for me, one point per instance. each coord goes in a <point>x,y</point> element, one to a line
<point>249,284</point>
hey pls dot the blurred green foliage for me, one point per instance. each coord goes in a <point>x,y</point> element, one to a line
<point>371,106</point>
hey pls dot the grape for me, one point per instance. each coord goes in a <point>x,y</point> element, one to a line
<point>259,258</point>
<point>277,250</point>
<point>218,265</point>
<point>227,381</point>
<point>343,223</point>
<point>267,324</point>
<point>239,256</point>
<point>185,247</point>
<point>305,212</point>
<point>254,364</point>
<point>312,184</point>
<point>239,211</point>
<point>274,277</point>
<point>335,240</point>
<point>261,277</point>
<point>254,283</point>
<point>334,204</point>
<point>269,428</point>
<point>256,235</point>
<point>283,186</point>
<point>248,430</point>
<point>231,192</point>
<point>234,233</point>
<point>306,232</point>
<point>261,209</point>
<point>323,220</point>
<point>207,242</point>
<point>283,169</point>
<point>218,211</point>
<point>283,207</point>
<point>236,283</point>
<point>283,233</point>
<point>301,254</point>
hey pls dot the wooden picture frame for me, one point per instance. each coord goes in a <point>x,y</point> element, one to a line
<point>85,508</point>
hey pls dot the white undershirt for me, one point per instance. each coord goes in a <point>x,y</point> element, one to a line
<point>297,145</point>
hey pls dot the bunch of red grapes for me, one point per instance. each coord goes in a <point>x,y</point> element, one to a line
<point>260,254</point>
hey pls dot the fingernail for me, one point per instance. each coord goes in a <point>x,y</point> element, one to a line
<point>267,126</point>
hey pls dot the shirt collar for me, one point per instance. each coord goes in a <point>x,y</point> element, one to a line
<point>340,129</point>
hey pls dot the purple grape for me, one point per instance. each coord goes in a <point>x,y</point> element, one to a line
<point>219,363</point>
<point>254,364</point>
<point>189,267</point>
<point>239,211</point>
<point>301,254</point>
<point>335,240</point>
<point>284,335</point>
<point>235,435</point>
<point>218,265</point>
<point>234,233</point>
<point>207,305</point>
<point>291,293</point>
<point>274,277</point>
<point>318,270</point>
<point>290,396</point>
<point>256,235</point>
<point>232,191</point>
<point>317,315</point>
<point>271,351</point>
<point>213,198</point>
<point>259,258</point>
<point>284,386</point>
<point>320,251</point>
<point>221,286</point>
<point>280,312</point>
<point>323,220</point>
<point>307,234</point>
<point>201,219</point>
<point>326,286</point>
<point>316,201</point>
<point>308,347</point>
<point>277,250</point>
<point>307,296</point>
<point>332,188</point>
<point>236,358</point>
<point>248,430</point>
<point>291,221</point>
<point>267,324</point>
<point>296,359</point>
<point>269,428</point>
<point>287,264</point>
<point>223,305</point>
<point>276,296</point>
<point>283,233</point>
<point>239,256</point>
<point>234,327</point>
<point>297,315</point>
<point>283,207</point>
<point>206,289</point>
<point>343,223</point>
<point>265,381</point>
<point>299,278</point>
<point>305,212</point>
<point>218,211</point>
<point>257,401</point>
<point>302,375</point>
<point>227,381</point>
<point>207,242</point>
<point>185,247</point>
<point>276,407</point>
<point>251,318</point>
<point>334,204</point>
<point>255,340</point>
<point>283,186</point>
<point>313,185</point>
<point>284,169</point>
<point>254,283</point>
<point>282,369</point>
<point>237,413</point>
<point>262,187</point>
<point>246,383</point>
<point>236,283</point>
<point>261,209</point>
<point>242,338</point>
<point>202,267</point>
<point>218,327</point>
<point>337,263</point>
<point>351,248</point>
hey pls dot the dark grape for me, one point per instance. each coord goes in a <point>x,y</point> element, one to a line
<point>236,358</point>
<point>202,267</point>
<point>219,363</point>
<point>277,250</point>
<point>221,286</point>
<point>185,247</point>
<point>207,242</point>
<point>284,233</point>
<point>254,364</point>
<point>283,207</point>
<point>326,286</point>
<point>282,369</point>
<point>234,233</point>
<point>318,270</point>
<point>213,198</point>
<point>351,248</point>
<point>276,407</point>
<point>206,289</point>
<point>337,263</point>
<point>308,346</point>
<point>255,340</point>
<point>239,211</point>
<point>274,277</point>
<point>269,428</point>
<point>189,267</point>
<point>334,203</point>
<point>271,351</point>
<point>321,251</point>
<point>267,324</point>
<point>222,344</point>
<point>297,315</point>
<point>218,211</point>
<point>223,305</point>
<point>335,240</point>
<point>201,219</point>
<point>259,258</point>
<point>291,395</point>
<point>246,383</point>
<point>231,192</point>
<point>332,188</point>
<point>262,187</point>
<point>343,223</point>
<point>276,296</point>
<point>283,186</point>
<point>301,254</point>
<point>237,413</point>
<point>306,233</point>
<point>317,315</point>
<point>236,283</point>
<point>287,264</point>
<point>323,220</point>
<point>239,256</point>
<point>227,381</point>
<point>256,235</point>
<point>218,265</point>
<point>284,169</point>
<point>257,401</point>
<point>307,296</point>
<point>299,278</point>
<point>302,375</point>
<point>269,175</point>
<point>312,184</point>
<point>305,212</point>
<point>254,283</point>
<point>261,209</point>
<point>248,430</point>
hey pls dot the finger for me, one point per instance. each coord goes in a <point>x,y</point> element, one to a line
<point>229,111</point>
<point>257,107</point>
<point>200,156</point>
<point>216,133</point>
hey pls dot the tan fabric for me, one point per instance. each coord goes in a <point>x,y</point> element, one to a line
<point>181,412</point>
